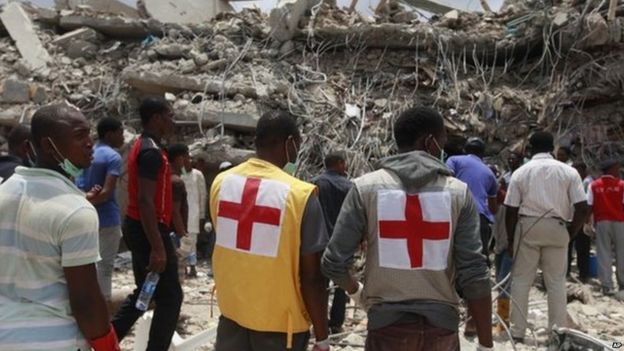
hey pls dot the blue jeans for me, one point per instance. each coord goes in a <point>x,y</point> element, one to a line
<point>503,268</point>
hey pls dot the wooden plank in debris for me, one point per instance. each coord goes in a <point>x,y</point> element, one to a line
<point>21,29</point>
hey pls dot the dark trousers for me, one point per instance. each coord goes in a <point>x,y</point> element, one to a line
<point>582,244</point>
<point>415,336</point>
<point>338,308</point>
<point>167,296</point>
<point>233,337</point>
<point>486,234</point>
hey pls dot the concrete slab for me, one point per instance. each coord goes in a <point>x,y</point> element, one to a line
<point>104,6</point>
<point>20,28</point>
<point>284,18</point>
<point>86,34</point>
<point>185,11</point>
<point>115,27</point>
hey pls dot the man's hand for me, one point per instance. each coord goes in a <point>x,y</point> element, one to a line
<point>322,345</point>
<point>93,192</point>
<point>157,260</point>
<point>357,295</point>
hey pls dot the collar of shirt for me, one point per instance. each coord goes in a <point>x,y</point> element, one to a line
<point>44,172</point>
<point>608,176</point>
<point>543,156</point>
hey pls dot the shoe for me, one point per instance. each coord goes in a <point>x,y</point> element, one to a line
<point>192,272</point>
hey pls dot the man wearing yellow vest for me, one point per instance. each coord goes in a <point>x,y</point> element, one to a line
<point>270,235</point>
<point>421,226</point>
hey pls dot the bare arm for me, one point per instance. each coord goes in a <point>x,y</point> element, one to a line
<point>86,301</point>
<point>581,213</point>
<point>313,289</point>
<point>107,191</point>
<point>493,204</point>
<point>481,311</point>
<point>147,210</point>
<point>511,220</point>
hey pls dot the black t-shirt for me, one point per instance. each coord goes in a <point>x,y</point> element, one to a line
<point>8,164</point>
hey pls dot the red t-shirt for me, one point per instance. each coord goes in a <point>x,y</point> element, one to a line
<point>606,195</point>
<point>149,161</point>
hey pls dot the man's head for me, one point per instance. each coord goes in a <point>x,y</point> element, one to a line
<point>157,116</point>
<point>475,146</point>
<point>581,168</point>
<point>336,161</point>
<point>564,153</point>
<point>61,134</point>
<point>20,142</point>
<point>110,131</point>
<point>514,161</point>
<point>541,142</point>
<point>611,167</point>
<point>178,155</point>
<point>420,128</point>
<point>277,138</point>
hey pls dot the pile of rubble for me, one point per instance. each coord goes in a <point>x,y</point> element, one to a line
<point>344,75</point>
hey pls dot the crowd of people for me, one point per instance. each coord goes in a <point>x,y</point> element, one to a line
<point>428,228</point>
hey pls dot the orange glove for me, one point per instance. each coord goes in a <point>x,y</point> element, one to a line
<point>107,342</point>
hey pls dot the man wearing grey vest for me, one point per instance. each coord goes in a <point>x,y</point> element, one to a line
<point>421,226</point>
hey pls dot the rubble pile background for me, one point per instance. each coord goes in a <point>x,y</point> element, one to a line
<point>345,76</point>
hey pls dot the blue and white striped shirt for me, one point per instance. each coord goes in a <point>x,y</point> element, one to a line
<point>46,224</point>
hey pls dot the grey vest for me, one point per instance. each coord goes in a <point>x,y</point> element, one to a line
<point>385,284</point>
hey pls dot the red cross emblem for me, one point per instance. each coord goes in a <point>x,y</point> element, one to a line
<point>247,213</point>
<point>414,229</point>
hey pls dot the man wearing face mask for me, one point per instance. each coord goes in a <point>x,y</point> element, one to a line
<point>421,226</point>
<point>50,294</point>
<point>270,235</point>
<point>20,152</point>
<point>148,224</point>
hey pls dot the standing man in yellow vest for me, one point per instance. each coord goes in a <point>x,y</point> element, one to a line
<point>270,234</point>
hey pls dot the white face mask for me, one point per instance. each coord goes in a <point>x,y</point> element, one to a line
<point>442,152</point>
<point>290,167</point>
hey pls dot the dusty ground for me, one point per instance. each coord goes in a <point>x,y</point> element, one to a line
<point>600,316</point>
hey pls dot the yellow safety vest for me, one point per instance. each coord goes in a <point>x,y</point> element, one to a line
<point>256,287</point>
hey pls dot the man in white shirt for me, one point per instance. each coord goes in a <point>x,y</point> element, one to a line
<point>196,196</point>
<point>546,207</point>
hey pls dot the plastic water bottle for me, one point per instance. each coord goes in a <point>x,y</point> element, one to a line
<point>147,291</point>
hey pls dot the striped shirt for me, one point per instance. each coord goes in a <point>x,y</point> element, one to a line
<point>545,187</point>
<point>45,224</point>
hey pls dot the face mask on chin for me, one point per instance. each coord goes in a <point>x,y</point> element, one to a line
<point>65,164</point>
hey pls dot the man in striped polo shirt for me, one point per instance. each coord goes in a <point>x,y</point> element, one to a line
<point>49,295</point>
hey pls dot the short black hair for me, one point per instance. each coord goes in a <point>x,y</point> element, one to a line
<point>176,150</point>
<point>151,106</point>
<point>18,135</point>
<point>475,146</point>
<point>334,158</point>
<point>580,165</point>
<point>542,142</point>
<point>608,164</point>
<point>275,127</point>
<point>106,125</point>
<point>414,123</point>
<point>47,119</point>
<point>567,149</point>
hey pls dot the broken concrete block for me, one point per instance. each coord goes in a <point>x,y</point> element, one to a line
<point>284,18</point>
<point>185,11</point>
<point>86,34</point>
<point>560,19</point>
<point>20,27</point>
<point>38,94</point>
<point>452,15</point>
<point>597,30</point>
<point>81,48</point>
<point>173,51</point>
<point>15,91</point>
<point>115,27</point>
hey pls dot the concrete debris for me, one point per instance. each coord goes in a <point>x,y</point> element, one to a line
<point>15,91</point>
<point>22,31</point>
<point>285,17</point>
<point>85,34</point>
<point>185,11</point>
<point>115,27</point>
<point>103,6</point>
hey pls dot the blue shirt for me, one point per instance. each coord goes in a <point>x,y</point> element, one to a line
<point>480,179</point>
<point>106,161</point>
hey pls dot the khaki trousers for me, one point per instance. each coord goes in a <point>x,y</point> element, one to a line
<point>539,243</point>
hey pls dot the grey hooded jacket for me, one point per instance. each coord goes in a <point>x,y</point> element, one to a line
<point>399,294</point>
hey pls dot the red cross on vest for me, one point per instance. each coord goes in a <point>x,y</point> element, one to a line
<point>414,229</point>
<point>247,213</point>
